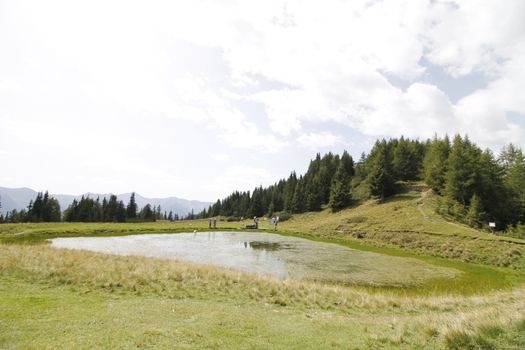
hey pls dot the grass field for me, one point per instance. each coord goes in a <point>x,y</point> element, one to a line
<point>66,299</point>
<point>409,222</point>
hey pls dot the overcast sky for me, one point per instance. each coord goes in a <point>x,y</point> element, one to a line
<point>197,98</point>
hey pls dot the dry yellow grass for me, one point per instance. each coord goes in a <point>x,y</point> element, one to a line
<point>409,221</point>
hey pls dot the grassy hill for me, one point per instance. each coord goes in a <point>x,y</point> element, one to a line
<point>53,298</point>
<point>409,221</point>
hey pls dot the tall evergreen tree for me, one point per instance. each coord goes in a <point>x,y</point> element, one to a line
<point>131,209</point>
<point>348,163</point>
<point>340,196</point>
<point>514,181</point>
<point>298,201</point>
<point>435,163</point>
<point>289,190</point>
<point>325,175</point>
<point>462,174</point>
<point>380,176</point>
<point>120,214</point>
<point>314,192</point>
<point>111,209</point>
<point>475,214</point>
<point>256,208</point>
<point>146,214</point>
<point>402,160</point>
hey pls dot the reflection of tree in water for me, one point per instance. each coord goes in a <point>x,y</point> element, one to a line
<point>261,245</point>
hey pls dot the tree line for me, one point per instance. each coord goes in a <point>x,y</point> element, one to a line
<point>47,209</point>
<point>474,185</point>
<point>42,209</point>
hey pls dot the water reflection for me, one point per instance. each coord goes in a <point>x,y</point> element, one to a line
<point>270,246</point>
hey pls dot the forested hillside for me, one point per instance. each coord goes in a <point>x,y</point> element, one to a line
<point>476,187</point>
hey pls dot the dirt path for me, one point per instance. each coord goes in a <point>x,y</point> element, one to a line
<point>421,203</point>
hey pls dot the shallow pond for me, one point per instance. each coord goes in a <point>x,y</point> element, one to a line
<point>268,254</point>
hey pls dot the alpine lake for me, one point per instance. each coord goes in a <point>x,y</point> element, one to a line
<point>283,257</point>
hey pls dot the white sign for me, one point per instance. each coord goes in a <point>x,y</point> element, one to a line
<point>492,224</point>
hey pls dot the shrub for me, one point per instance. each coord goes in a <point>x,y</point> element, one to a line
<point>357,220</point>
<point>233,219</point>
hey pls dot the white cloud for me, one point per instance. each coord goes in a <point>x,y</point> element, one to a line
<point>216,111</point>
<point>317,140</point>
<point>421,111</point>
<point>221,157</point>
<point>239,177</point>
<point>473,35</point>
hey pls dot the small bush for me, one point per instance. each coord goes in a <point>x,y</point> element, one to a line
<point>517,231</point>
<point>357,220</point>
<point>233,219</point>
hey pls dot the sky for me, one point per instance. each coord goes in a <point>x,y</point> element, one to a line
<point>196,99</point>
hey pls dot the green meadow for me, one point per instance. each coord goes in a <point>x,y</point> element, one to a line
<point>57,298</point>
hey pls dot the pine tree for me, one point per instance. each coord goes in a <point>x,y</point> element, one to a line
<point>120,215</point>
<point>53,211</point>
<point>314,193</point>
<point>475,214</point>
<point>289,189</point>
<point>215,210</point>
<point>325,175</point>
<point>104,209</point>
<point>380,175</point>
<point>435,163</point>
<point>146,214</point>
<point>131,209</point>
<point>35,214</point>
<point>463,171</point>
<point>111,209</point>
<point>514,182</point>
<point>348,163</point>
<point>256,208</point>
<point>407,159</point>
<point>298,201</point>
<point>340,196</point>
<point>509,156</point>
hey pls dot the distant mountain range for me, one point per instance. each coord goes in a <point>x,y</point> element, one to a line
<point>18,198</point>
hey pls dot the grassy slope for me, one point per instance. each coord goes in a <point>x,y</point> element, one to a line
<point>70,299</point>
<point>409,222</point>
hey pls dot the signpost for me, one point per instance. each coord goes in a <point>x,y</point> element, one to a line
<point>492,226</point>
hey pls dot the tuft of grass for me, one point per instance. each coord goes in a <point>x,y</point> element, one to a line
<point>459,340</point>
<point>357,220</point>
